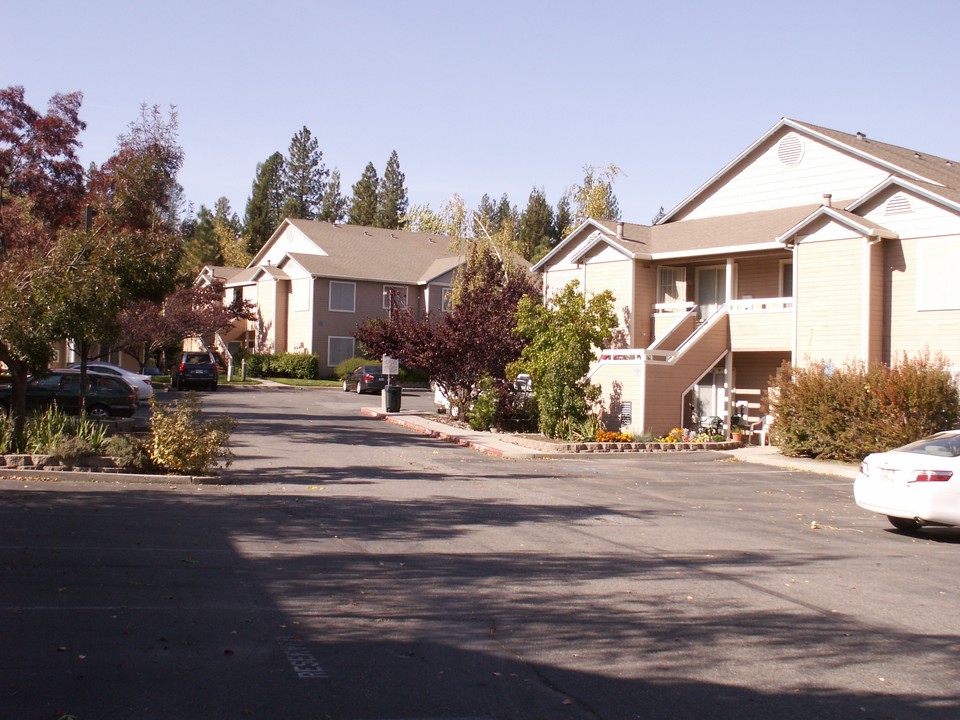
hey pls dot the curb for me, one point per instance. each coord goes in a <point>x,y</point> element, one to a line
<point>8,473</point>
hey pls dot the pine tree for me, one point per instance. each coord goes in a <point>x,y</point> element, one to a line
<point>265,206</point>
<point>200,246</point>
<point>392,198</point>
<point>363,206</point>
<point>226,231</point>
<point>334,206</point>
<point>562,219</point>
<point>536,226</point>
<point>304,177</point>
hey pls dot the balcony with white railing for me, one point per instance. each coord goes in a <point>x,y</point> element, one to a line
<point>761,324</point>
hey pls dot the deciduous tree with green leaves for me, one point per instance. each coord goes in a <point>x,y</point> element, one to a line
<point>561,340</point>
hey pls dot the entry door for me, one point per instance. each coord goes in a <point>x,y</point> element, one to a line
<point>711,290</point>
<point>711,394</point>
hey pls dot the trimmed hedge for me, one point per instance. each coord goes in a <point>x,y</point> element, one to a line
<point>286,365</point>
<point>847,413</point>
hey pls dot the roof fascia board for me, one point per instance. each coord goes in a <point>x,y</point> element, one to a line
<point>762,139</point>
<point>601,239</point>
<point>566,241</point>
<point>810,132</point>
<point>705,252</point>
<point>833,142</point>
<point>904,185</point>
<point>836,217</point>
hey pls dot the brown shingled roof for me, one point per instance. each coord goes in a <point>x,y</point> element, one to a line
<point>365,253</point>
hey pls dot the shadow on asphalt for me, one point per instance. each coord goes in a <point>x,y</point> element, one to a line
<point>145,603</point>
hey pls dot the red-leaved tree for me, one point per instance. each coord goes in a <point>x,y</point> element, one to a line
<point>458,348</point>
<point>147,327</point>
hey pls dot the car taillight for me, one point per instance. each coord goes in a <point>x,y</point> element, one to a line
<point>864,469</point>
<point>182,366</point>
<point>368,378</point>
<point>932,476</point>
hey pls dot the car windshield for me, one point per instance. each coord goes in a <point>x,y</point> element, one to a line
<point>940,445</point>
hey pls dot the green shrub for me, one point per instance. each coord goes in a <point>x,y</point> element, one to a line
<point>70,448</point>
<point>186,443</point>
<point>847,413</point>
<point>484,410</point>
<point>288,365</point>
<point>131,452</point>
<point>6,434</point>
<point>349,365</point>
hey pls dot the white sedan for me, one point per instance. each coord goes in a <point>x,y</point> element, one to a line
<point>143,384</point>
<point>915,485</point>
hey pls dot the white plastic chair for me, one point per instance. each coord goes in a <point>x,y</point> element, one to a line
<point>765,422</point>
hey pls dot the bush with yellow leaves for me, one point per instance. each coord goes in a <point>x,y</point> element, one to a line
<point>185,442</point>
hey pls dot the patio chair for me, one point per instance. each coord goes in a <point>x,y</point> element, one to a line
<point>764,424</point>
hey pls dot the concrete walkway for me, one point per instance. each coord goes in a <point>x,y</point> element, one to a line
<point>508,446</point>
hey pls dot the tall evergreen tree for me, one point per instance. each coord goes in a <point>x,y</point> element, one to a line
<point>363,206</point>
<point>265,206</point>
<point>334,206</point>
<point>486,215</point>
<point>392,199</point>
<point>226,230</point>
<point>562,219</point>
<point>536,226</point>
<point>304,177</point>
<point>200,245</point>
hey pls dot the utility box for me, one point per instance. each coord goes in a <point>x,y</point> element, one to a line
<point>390,397</point>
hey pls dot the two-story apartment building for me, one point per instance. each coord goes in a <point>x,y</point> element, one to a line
<point>312,283</point>
<point>811,244</point>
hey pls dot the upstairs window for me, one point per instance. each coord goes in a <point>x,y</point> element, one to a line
<point>394,296</point>
<point>343,296</point>
<point>671,285</point>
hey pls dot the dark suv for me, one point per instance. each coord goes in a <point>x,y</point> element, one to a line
<point>196,370</point>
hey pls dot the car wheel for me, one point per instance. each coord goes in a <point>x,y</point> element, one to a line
<point>99,412</point>
<point>345,388</point>
<point>359,390</point>
<point>905,524</point>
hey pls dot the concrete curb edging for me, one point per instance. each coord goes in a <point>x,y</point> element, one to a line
<point>12,473</point>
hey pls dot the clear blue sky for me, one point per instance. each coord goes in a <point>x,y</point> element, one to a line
<point>492,97</point>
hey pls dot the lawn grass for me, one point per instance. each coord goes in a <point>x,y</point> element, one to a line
<point>297,382</point>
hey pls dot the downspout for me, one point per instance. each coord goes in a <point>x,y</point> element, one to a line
<point>873,238</point>
<point>796,303</point>
<point>728,365</point>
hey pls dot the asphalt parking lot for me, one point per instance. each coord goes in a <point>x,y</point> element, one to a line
<point>346,568</point>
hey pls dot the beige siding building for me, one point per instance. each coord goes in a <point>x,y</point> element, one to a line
<point>313,283</point>
<point>811,245</point>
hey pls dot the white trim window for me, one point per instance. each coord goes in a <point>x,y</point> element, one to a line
<point>343,296</point>
<point>671,285</point>
<point>446,299</point>
<point>396,293</point>
<point>339,348</point>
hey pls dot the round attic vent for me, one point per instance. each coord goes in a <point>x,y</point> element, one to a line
<point>790,150</point>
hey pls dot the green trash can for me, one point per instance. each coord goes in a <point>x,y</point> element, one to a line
<point>391,398</point>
